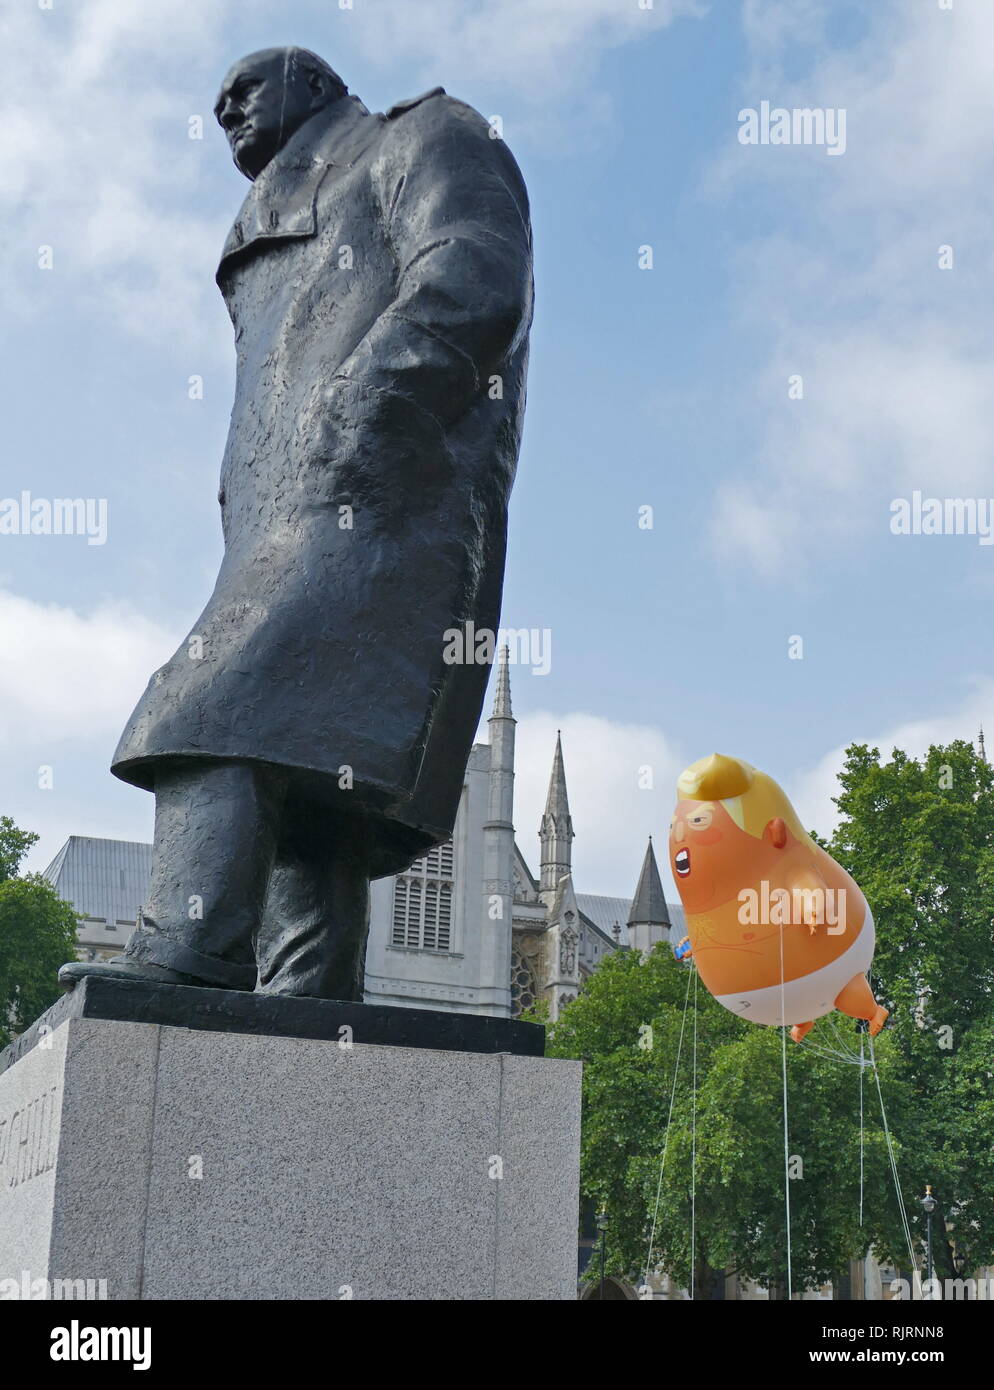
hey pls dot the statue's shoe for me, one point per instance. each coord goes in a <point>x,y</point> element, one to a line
<point>121,968</point>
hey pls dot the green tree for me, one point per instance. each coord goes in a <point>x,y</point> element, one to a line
<point>735,1125</point>
<point>725,1141</point>
<point>14,845</point>
<point>959,1132</point>
<point>37,935</point>
<point>626,1027</point>
<point>918,837</point>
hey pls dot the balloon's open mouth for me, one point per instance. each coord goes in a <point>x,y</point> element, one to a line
<point>681,862</point>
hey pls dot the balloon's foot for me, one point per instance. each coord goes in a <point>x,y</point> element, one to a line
<point>878,1020</point>
<point>801,1030</point>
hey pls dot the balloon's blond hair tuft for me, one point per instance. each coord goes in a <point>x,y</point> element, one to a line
<point>750,797</point>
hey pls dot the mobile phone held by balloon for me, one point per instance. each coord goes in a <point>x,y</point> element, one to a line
<point>683,950</point>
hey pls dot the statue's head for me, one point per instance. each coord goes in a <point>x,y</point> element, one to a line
<point>267,96</point>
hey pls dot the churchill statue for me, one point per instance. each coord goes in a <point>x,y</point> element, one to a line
<point>309,735</point>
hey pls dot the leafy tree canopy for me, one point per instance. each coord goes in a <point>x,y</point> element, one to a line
<point>37,935</point>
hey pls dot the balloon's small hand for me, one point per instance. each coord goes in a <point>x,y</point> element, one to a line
<point>683,949</point>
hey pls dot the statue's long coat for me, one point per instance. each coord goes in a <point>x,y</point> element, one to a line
<point>379,279</point>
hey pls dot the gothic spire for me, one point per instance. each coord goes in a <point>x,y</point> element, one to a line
<point>556,830</point>
<point>557,802</point>
<point>502,692</point>
<point>649,904</point>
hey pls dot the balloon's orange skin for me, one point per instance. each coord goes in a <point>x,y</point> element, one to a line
<point>734,956</point>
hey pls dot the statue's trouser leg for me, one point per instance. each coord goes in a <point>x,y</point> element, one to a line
<point>317,913</point>
<point>216,828</point>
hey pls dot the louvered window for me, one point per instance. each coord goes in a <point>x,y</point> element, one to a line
<point>422,902</point>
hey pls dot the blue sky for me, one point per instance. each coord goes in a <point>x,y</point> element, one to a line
<point>664,387</point>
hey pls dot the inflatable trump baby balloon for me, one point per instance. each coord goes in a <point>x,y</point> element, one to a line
<point>779,932</point>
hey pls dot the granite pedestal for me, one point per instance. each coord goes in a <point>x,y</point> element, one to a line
<point>314,1160</point>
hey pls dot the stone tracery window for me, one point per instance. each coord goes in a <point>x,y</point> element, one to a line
<point>522,984</point>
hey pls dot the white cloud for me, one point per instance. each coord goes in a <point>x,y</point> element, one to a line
<point>812,790</point>
<point>68,681</point>
<point>539,49</point>
<point>612,816</point>
<point>125,814</point>
<point>770,25</point>
<point>881,418</point>
<point>843,287</point>
<point>96,163</point>
<point>67,676</point>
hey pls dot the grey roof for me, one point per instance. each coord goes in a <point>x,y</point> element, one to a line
<point>524,864</point>
<point>107,879</point>
<point>649,904</point>
<point>604,912</point>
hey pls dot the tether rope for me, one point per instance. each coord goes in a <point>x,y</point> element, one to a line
<point>830,1053</point>
<point>693,1158</point>
<point>786,1143</point>
<point>669,1117</point>
<point>893,1164</point>
<point>861,1129</point>
<point>843,1042</point>
<point>847,1056</point>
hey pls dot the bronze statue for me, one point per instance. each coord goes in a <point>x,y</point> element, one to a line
<point>310,735</point>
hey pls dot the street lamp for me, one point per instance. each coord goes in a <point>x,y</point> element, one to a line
<point>602,1228</point>
<point>928,1202</point>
